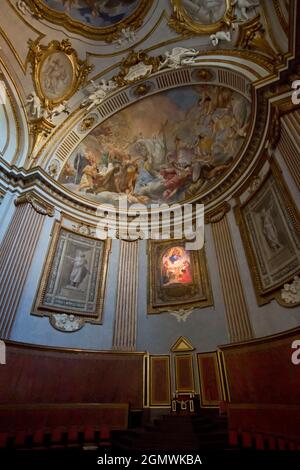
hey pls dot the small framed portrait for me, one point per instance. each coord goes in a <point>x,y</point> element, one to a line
<point>199,17</point>
<point>57,71</point>
<point>74,276</point>
<point>270,229</point>
<point>176,277</point>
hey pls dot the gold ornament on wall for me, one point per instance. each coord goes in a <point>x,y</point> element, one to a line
<point>188,19</point>
<point>57,71</point>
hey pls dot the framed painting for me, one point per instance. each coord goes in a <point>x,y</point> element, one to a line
<point>270,229</point>
<point>96,19</point>
<point>57,71</point>
<point>201,17</point>
<point>177,277</point>
<point>74,276</point>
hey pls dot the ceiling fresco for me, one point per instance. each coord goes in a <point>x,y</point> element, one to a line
<point>165,148</point>
<point>96,13</point>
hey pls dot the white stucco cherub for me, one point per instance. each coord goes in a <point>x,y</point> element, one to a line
<point>100,92</point>
<point>127,36</point>
<point>177,57</point>
<point>61,108</point>
<point>34,104</point>
<point>243,6</point>
<point>23,7</point>
<point>220,36</point>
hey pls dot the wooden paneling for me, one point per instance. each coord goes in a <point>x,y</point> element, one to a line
<point>261,371</point>
<point>45,375</point>
<point>160,389</point>
<point>209,379</point>
<point>184,375</point>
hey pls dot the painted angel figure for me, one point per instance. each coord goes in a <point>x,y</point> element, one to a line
<point>178,56</point>
<point>34,104</point>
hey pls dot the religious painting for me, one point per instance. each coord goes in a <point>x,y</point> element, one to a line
<point>270,230</point>
<point>57,71</point>
<point>201,16</point>
<point>176,277</point>
<point>161,157</point>
<point>98,19</point>
<point>56,76</point>
<point>73,281</point>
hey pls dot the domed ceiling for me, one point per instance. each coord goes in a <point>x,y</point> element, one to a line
<point>168,147</point>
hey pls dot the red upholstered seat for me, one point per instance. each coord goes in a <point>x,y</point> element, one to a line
<point>281,444</point>
<point>3,439</point>
<point>259,442</point>
<point>89,434</point>
<point>73,436</point>
<point>272,443</point>
<point>20,438</point>
<point>233,438</point>
<point>105,438</point>
<point>247,440</point>
<point>57,437</point>
<point>38,438</point>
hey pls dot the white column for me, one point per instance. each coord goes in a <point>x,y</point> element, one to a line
<point>16,253</point>
<point>124,338</point>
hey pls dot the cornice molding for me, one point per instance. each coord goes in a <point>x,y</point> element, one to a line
<point>36,202</point>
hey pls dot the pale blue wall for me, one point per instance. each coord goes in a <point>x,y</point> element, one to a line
<point>32,329</point>
<point>206,328</point>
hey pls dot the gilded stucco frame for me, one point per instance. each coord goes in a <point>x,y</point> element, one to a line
<point>200,275</point>
<point>107,33</point>
<point>42,310</point>
<point>38,54</point>
<point>264,296</point>
<point>183,23</point>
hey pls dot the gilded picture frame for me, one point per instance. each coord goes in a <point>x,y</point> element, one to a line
<point>106,33</point>
<point>184,18</point>
<point>191,290</point>
<point>57,72</point>
<point>74,276</point>
<point>269,224</point>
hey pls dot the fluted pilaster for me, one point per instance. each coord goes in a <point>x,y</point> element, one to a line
<point>239,325</point>
<point>289,145</point>
<point>16,253</point>
<point>124,338</point>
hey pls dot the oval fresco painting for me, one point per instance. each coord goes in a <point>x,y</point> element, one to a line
<point>205,12</point>
<point>165,148</point>
<point>95,13</point>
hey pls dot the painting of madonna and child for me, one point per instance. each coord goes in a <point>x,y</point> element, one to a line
<point>166,148</point>
<point>96,13</point>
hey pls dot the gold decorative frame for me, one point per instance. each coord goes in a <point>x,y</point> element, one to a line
<point>265,295</point>
<point>198,294</point>
<point>37,56</point>
<point>40,309</point>
<point>107,33</point>
<point>183,23</point>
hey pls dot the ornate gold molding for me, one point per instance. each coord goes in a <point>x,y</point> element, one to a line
<point>217,214</point>
<point>38,55</point>
<point>183,23</point>
<point>39,205</point>
<point>107,33</point>
<point>136,66</point>
<point>252,36</point>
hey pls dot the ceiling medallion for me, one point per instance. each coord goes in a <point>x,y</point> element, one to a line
<point>57,71</point>
<point>188,18</point>
<point>95,20</point>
